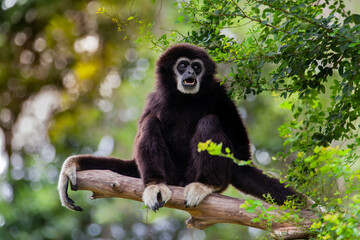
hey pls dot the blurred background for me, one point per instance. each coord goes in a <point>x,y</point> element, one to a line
<point>71,82</point>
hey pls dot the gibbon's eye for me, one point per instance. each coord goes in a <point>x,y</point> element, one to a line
<point>182,66</point>
<point>197,67</point>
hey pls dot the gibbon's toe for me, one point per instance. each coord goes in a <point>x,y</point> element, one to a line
<point>73,187</point>
<point>66,201</point>
<point>155,196</point>
<point>77,208</point>
<point>195,192</point>
<point>158,205</point>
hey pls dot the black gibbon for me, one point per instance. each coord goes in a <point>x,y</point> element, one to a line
<point>188,106</point>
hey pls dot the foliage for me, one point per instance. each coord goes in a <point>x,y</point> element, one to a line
<point>314,56</point>
<point>264,213</point>
<point>217,150</point>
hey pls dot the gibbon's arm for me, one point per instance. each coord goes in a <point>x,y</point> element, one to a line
<point>151,153</point>
<point>88,162</point>
<point>207,173</point>
<point>232,125</point>
<point>248,179</point>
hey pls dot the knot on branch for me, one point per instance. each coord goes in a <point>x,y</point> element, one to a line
<point>291,232</point>
<point>198,223</point>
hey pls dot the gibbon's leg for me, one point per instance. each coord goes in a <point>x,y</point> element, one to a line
<point>88,162</point>
<point>207,173</point>
<point>253,181</point>
<point>153,158</point>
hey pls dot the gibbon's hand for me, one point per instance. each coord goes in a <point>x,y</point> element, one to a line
<point>196,192</point>
<point>68,173</point>
<point>155,196</point>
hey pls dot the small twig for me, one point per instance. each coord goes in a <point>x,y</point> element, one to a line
<point>257,20</point>
<point>295,15</point>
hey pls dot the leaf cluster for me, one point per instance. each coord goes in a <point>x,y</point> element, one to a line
<point>217,149</point>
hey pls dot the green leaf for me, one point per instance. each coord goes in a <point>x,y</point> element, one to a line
<point>286,105</point>
<point>347,20</point>
<point>353,18</point>
<point>271,208</point>
<point>353,44</point>
<point>227,150</point>
<point>356,18</point>
<point>180,19</point>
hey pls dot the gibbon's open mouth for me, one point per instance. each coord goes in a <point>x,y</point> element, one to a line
<point>189,81</point>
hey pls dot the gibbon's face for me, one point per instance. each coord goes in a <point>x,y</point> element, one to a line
<point>188,74</point>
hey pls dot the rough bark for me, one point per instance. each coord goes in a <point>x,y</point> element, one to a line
<point>214,209</point>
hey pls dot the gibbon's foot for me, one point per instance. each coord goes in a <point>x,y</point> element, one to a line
<point>195,192</point>
<point>155,196</point>
<point>68,174</point>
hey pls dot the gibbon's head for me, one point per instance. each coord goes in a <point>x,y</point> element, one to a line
<point>185,68</point>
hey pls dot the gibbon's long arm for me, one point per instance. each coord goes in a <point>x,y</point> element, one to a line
<point>205,168</point>
<point>207,173</point>
<point>248,179</point>
<point>151,151</point>
<point>151,157</point>
<point>89,162</point>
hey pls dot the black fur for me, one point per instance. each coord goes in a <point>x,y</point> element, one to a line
<point>172,125</point>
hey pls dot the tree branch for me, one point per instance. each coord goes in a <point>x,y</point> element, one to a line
<point>214,209</point>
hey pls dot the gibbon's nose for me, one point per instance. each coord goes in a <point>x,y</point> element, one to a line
<point>190,71</point>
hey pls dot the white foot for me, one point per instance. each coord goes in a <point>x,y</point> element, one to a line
<point>155,196</point>
<point>68,174</point>
<point>195,192</point>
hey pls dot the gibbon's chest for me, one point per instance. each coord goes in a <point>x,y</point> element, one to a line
<point>179,125</point>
